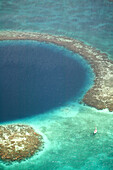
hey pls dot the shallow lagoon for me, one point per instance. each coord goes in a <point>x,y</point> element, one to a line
<point>68,129</point>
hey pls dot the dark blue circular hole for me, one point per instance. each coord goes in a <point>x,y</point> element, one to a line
<point>36,77</point>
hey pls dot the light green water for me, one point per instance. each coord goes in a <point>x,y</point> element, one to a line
<point>67,131</point>
<point>69,140</point>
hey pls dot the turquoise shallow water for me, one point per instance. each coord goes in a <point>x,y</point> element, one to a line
<point>67,130</point>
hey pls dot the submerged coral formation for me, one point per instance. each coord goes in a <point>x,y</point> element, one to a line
<point>100,95</point>
<point>18,142</point>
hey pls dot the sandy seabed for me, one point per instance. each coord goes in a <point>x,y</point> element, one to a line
<point>65,148</point>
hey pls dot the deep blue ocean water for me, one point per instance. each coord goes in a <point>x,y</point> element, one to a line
<point>67,129</point>
<point>37,77</point>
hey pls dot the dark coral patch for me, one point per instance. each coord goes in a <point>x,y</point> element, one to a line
<point>18,142</point>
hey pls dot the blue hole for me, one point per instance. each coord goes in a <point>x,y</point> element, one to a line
<point>37,77</point>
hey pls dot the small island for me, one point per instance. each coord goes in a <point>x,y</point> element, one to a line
<point>18,141</point>
<point>100,95</point>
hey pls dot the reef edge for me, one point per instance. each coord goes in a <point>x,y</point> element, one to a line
<point>100,95</point>
<point>18,142</point>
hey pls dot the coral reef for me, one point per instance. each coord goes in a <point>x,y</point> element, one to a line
<point>100,95</point>
<point>18,142</point>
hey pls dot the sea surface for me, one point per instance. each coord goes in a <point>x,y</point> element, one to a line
<point>38,77</point>
<point>66,125</point>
